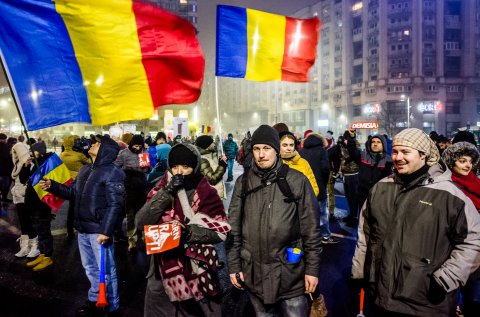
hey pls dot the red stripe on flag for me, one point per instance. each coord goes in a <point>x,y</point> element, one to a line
<point>53,201</point>
<point>171,55</point>
<point>301,39</point>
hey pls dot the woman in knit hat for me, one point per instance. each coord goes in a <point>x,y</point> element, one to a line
<point>290,156</point>
<point>462,158</point>
<point>180,279</point>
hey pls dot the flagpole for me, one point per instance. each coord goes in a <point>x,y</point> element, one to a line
<point>218,114</point>
<point>20,113</point>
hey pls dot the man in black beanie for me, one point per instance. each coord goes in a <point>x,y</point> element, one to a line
<point>265,223</point>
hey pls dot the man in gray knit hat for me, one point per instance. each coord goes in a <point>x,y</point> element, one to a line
<point>419,235</point>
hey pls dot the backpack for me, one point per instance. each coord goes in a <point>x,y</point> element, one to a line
<point>240,156</point>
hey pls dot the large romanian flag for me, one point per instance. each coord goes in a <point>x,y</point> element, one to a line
<point>98,61</point>
<point>54,169</point>
<point>262,46</point>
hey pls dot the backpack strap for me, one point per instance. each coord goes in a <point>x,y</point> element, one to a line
<point>284,185</point>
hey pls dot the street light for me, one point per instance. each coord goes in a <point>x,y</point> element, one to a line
<point>408,109</point>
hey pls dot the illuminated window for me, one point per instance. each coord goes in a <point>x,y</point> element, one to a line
<point>183,1</point>
<point>357,6</point>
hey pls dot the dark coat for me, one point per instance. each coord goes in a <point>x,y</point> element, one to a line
<point>372,166</point>
<point>231,149</point>
<point>98,192</point>
<point>410,235</point>
<point>268,227</point>
<point>316,155</point>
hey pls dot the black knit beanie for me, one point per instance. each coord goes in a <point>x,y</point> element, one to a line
<point>181,155</point>
<point>40,147</point>
<point>464,136</point>
<point>265,134</point>
<point>204,141</point>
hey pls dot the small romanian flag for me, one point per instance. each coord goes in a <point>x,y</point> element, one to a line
<point>261,46</point>
<point>97,61</point>
<point>54,169</point>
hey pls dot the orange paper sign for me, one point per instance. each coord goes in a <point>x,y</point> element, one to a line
<point>160,238</point>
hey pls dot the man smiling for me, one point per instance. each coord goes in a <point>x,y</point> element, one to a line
<point>419,235</point>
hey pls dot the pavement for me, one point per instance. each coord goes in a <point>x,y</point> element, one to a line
<point>60,289</point>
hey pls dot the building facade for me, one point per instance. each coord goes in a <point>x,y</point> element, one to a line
<point>400,63</point>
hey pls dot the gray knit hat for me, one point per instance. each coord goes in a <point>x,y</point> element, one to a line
<point>457,150</point>
<point>420,141</point>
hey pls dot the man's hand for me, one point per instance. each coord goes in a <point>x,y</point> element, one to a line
<point>102,238</point>
<point>234,280</point>
<point>311,283</point>
<point>222,161</point>
<point>45,183</point>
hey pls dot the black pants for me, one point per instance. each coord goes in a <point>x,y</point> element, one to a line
<point>25,219</point>
<point>41,219</point>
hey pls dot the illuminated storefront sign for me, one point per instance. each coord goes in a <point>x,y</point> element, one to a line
<point>364,125</point>
<point>371,108</point>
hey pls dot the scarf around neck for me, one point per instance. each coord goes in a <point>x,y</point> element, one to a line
<point>470,185</point>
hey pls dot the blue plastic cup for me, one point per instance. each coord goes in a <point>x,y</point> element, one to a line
<point>294,255</point>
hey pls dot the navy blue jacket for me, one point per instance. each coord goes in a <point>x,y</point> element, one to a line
<point>317,156</point>
<point>97,192</point>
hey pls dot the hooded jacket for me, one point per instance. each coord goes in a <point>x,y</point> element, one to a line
<point>213,171</point>
<point>20,155</point>
<point>267,227</point>
<point>98,192</point>
<point>372,166</point>
<point>317,156</point>
<point>412,233</point>
<point>73,160</point>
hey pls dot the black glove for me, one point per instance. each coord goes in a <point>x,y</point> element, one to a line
<point>436,293</point>
<point>222,163</point>
<point>175,184</point>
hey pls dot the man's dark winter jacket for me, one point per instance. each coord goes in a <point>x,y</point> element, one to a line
<point>231,149</point>
<point>373,166</point>
<point>413,233</point>
<point>268,226</point>
<point>98,192</point>
<point>316,155</point>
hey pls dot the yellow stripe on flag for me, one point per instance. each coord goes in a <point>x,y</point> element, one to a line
<point>266,42</point>
<point>60,174</point>
<point>105,40</point>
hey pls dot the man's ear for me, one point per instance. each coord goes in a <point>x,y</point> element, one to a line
<point>423,156</point>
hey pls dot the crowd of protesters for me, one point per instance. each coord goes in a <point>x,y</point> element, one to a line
<point>415,200</point>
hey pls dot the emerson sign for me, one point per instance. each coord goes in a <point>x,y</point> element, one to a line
<point>365,125</point>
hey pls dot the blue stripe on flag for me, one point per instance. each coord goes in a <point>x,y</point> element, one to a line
<point>41,62</point>
<point>51,163</point>
<point>232,44</point>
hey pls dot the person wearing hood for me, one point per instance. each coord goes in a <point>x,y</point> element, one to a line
<point>231,150</point>
<point>462,158</point>
<point>290,156</point>
<point>38,211</point>
<point>73,160</point>
<point>97,193</point>
<point>419,235</point>
<point>374,164</point>
<point>316,155</point>
<point>180,279</point>
<point>212,168</point>
<point>28,239</point>
<point>135,184</point>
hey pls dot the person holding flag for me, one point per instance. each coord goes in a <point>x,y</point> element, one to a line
<point>98,193</point>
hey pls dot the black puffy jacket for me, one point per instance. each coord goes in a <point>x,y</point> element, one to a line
<point>98,192</point>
